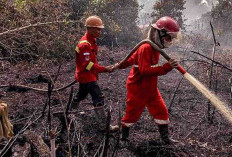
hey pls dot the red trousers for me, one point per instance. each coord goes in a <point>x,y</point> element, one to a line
<point>136,103</point>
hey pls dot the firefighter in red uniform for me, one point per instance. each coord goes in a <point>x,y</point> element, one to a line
<point>141,83</point>
<point>87,68</point>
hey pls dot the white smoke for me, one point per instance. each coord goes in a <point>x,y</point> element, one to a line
<point>194,9</point>
<point>204,3</point>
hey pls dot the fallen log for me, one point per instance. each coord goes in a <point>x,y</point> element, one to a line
<point>38,142</point>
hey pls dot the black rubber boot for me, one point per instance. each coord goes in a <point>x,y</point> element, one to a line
<point>163,130</point>
<point>100,117</point>
<point>125,133</point>
<point>75,104</point>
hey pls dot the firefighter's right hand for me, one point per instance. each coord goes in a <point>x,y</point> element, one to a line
<point>110,68</point>
<point>116,66</point>
<point>173,63</point>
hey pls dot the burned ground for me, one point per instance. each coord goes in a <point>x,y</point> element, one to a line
<point>188,112</point>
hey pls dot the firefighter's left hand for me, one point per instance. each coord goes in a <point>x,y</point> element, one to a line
<point>110,68</point>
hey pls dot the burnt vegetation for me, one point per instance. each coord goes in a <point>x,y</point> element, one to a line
<point>37,42</point>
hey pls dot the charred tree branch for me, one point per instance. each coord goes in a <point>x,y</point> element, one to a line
<point>37,25</point>
<point>212,60</point>
<point>37,89</point>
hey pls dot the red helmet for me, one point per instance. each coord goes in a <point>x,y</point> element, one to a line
<point>167,23</point>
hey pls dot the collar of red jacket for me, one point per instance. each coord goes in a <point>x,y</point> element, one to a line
<point>90,38</point>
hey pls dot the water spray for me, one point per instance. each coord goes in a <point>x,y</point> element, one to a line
<point>220,105</point>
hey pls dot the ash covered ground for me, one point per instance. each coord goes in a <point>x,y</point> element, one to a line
<point>188,116</point>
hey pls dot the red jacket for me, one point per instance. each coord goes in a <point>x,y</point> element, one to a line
<point>142,79</point>
<point>87,67</point>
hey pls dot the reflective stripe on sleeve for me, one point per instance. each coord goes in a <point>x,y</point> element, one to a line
<point>89,66</point>
<point>77,49</point>
<point>84,41</point>
<point>158,121</point>
<point>86,53</point>
<point>152,66</point>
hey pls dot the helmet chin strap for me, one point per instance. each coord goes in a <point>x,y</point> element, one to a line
<point>155,36</point>
<point>160,37</point>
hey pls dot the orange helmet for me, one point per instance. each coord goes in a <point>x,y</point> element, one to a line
<point>94,21</point>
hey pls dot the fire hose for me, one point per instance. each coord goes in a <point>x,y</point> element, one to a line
<point>154,46</point>
<point>220,105</point>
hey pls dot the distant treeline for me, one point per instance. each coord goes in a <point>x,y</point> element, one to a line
<point>57,36</point>
<point>30,29</point>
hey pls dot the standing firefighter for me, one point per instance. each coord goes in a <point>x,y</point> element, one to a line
<point>87,68</point>
<point>141,83</point>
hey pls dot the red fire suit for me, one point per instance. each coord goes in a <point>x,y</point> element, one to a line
<point>87,67</point>
<point>142,88</point>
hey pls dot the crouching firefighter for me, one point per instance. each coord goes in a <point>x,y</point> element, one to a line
<point>142,90</point>
<point>87,69</point>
